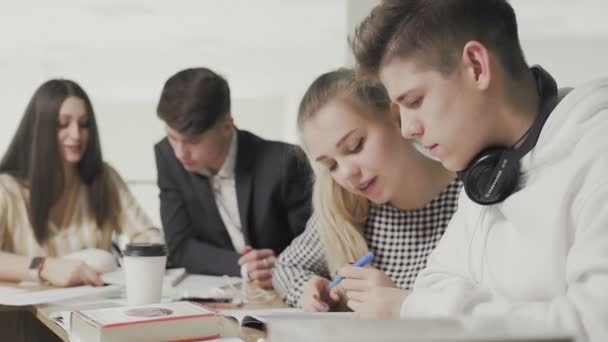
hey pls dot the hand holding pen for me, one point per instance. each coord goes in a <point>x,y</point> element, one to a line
<point>370,292</point>
<point>364,260</point>
<point>316,298</point>
<point>319,295</point>
<point>363,278</point>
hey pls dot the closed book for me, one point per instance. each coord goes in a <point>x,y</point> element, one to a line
<point>178,321</point>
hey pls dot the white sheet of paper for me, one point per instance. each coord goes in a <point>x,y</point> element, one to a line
<point>62,319</point>
<point>203,286</point>
<point>182,284</point>
<point>10,295</point>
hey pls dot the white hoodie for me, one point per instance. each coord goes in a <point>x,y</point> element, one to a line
<point>542,254</point>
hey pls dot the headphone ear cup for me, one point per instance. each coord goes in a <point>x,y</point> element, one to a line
<point>477,178</point>
<point>493,175</point>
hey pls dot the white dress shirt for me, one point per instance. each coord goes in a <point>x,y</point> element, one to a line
<point>224,191</point>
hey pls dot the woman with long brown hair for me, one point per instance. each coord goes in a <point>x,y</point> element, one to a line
<point>57,196</point>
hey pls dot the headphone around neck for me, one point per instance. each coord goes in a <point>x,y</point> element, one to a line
<point>493,174</point>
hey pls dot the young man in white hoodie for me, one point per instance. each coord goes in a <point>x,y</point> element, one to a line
<point>530,237</point>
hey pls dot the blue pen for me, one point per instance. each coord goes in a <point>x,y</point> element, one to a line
<point>366,259</point>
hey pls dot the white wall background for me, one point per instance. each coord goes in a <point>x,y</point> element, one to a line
<point>569,38</point>
<point>122,51</point>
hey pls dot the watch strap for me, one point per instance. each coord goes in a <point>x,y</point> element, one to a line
<point>33,272</point>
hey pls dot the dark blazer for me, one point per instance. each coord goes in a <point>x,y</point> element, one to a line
<point>273,186</point>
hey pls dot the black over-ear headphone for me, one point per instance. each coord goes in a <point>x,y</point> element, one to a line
<point>493,174</point>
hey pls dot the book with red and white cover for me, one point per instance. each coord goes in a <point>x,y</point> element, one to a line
<point>178,321</point>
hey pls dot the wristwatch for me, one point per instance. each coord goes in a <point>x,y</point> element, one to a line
<point>33,272</point>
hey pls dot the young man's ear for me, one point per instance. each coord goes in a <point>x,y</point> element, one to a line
<point>228,124</point>
<point>476,64</point>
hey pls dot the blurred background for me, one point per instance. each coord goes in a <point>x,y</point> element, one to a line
<point>122,51</point>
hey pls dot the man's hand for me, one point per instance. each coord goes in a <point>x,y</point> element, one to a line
<point>259,264</point>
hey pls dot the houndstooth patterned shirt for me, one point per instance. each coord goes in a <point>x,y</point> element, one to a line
<point>401,241</point>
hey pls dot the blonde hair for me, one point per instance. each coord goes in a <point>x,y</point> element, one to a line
<point>341,214</point>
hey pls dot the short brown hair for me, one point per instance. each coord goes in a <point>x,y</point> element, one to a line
<point>193,100</point>
<point>435,31</point>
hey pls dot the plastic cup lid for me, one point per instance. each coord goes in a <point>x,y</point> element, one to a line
<point>145,249</point>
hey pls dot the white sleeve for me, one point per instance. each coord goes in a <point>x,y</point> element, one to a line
<point>445,287</point>
<point>133,221</point>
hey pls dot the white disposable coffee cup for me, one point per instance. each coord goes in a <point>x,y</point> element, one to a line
<point>144,267</point>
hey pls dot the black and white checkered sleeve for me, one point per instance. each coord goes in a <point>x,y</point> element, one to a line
<point>300,261</point>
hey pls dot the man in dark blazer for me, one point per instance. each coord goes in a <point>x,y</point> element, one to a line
<point>230,201</point>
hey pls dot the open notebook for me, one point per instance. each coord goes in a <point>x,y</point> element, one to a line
<point>257,319</point>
